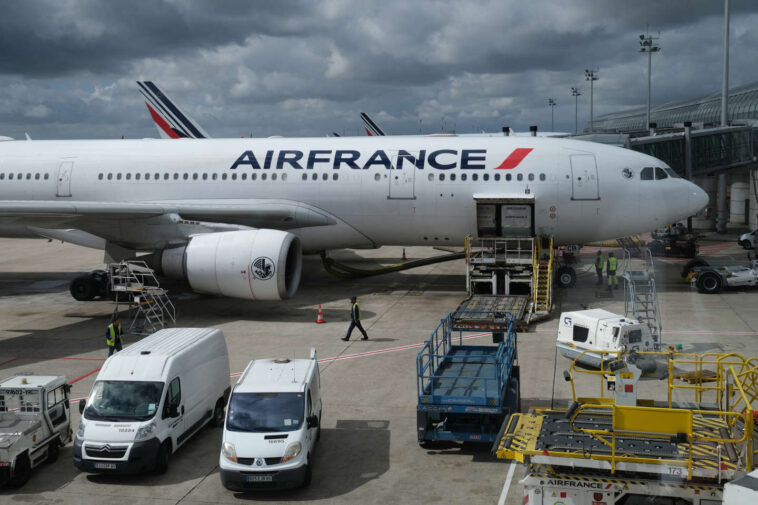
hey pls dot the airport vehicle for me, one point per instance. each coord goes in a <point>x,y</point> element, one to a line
<point>674,244</point>
<point>233,216</point>
<point>748,240</point>
<point>679,445</point>
<point>466,391</point>
<point>272,425</point>
<point>742,491</point>
<point>34,424</point>
<point>150,398</point>
<point>713,279</point>
<point>170,120</point>
<point>581,334</point>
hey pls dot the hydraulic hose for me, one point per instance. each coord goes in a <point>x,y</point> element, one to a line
<point>346,272</point>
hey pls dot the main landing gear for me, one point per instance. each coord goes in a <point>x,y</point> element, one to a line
<point>90,286</point>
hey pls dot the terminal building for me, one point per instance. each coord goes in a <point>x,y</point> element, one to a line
<point>687,135</point>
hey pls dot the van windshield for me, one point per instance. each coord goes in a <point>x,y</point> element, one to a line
<point>123,400</point>
<point>265,412</point>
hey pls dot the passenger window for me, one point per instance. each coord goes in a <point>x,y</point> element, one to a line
<point>463,177</point>
<point>118,176</point>
<point>253,176</point>
<point>244,176</point>
<point>128,177</point>
<point>185,176</point>
<point>486,177</point>
<point>474,177</point>
<point>377,177</point>
<point>173,396</point>
<point>223,176</point>
<point>530,177</point>
<point>580,333</point>
<point>442,177</point>
<point>430,177</point>
<point>28,176</point>
<point>314,176</point>
<point>99,177</point>
<point>324,176</point>
<point>176,176</point>
<point>308,404</point>
<point>646,174</point>
<point>137,176</point>
<point>147,176</point>
<point>497,177</point>
<point>205,177</point>
<point>660,174</point>
<point>508,177</point>
<point>452,177</point>
<point>157,176</point>
<point>520,177</point>
<point>214,176</point>
<point>305,177</point>
<point>165,176</point>
<point>263,176</point>
<point>234,177</point>
<point>284,177</point>
<point>110,176</point>
<point>47,176</point>
<point>335,176</point>
<point>542,177</point>
<point>195,176</point>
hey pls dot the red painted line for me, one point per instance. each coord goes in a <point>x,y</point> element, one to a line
<point>513,159</point>
<point>51,358</point>
<point>9,361</point>
<point>85,376</point>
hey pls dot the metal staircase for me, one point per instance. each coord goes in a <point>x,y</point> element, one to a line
<point>150,308</point>
<point>640,295</point>
<point>542,292</point>
<point>631,244</point>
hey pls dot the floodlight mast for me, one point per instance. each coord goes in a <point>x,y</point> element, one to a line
<point>576,94</point>
<point>649,45</point>
<point>591,75</point>
<point>552,103</point>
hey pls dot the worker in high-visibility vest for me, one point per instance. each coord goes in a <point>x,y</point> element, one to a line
<point>613,282</point>
<point>114,336</point>
<point>355,319</point>
<point>599,264</point>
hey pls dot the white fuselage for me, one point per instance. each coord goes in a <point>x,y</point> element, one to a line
<point>375,191</point>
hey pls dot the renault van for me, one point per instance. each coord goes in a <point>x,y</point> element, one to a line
<point>272,424</point>
<point>150,398</point>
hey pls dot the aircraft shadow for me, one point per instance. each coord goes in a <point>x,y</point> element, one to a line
<point>347,456</point>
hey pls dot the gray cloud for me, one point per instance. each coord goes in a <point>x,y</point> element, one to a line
<point>67,69</point>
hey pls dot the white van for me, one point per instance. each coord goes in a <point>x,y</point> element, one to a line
<point>272,424</point>
<point>150,398</point>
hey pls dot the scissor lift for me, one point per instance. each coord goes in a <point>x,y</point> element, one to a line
<point>687,445</point>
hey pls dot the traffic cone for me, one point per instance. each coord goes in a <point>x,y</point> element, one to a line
<point>404,258</point>
<point>320,317</point>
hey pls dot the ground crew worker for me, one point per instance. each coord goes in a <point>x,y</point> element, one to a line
<point>114,336</point>
<point>612,264</point>
<point>355,320</point>
<point>599,264</point>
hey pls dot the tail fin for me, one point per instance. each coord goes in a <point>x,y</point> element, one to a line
<point>170,120</point>
<point>372,129</point>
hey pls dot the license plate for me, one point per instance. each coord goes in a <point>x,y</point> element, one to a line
<point>105,466</point>
<point>259,478</point>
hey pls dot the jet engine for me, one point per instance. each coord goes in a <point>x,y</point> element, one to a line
<point>250,264</point>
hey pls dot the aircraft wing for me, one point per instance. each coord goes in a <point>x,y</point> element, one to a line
<point>278,214</point>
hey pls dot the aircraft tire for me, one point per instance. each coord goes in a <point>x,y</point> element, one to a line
<point>83,288</point>
<point>565,277</point>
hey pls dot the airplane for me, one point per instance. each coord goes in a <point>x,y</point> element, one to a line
<point>170,120</point>
<point>233,217</point>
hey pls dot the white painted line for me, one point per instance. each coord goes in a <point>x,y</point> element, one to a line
<point>507,485</point>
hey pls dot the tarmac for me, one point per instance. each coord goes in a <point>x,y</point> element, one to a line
<point>368,451</point>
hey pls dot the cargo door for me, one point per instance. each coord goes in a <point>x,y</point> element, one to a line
<point>64,178</point>
<point>584,184</point>
<point>402,178</point>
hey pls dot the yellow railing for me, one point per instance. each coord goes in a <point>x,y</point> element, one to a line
<point>542,272</point>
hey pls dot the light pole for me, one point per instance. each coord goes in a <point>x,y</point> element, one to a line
<point>552,103</point>
<point>591,75</point>
<point>576,94</point>
<point>649,45</point>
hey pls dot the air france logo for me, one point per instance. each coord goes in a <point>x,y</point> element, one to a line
<point>627,172</point>
<point>263,268</point>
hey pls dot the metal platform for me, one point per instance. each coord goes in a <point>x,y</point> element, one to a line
<point>486,311</point>
<point>467,372</point>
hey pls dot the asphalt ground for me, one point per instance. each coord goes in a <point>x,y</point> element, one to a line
<point>368,451</point>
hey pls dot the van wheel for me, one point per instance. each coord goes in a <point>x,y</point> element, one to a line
<point>22,471</point>
<point>53,450</point>
<point>308,474</point>
<point>218,414</point>
<point>161,459</point>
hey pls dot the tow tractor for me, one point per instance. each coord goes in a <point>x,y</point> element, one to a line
<point>34,423</point>
<point>674,243</point>
<point>695,433</point>
<point>713,279</point>
<point>466,391</point>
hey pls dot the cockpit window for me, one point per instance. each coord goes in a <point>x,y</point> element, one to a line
<point>660,174</point>
<point>671,172</point>
<point>646,174</point>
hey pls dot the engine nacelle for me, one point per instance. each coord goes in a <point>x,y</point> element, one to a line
<point>249,264</point>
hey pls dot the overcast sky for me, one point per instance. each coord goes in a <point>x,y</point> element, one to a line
<point>68,67</point>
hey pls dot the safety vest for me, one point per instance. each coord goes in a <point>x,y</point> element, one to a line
<point>612,264</point>
<point>599,262</point>
<point>356,312</point>
<point>112,339</point>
